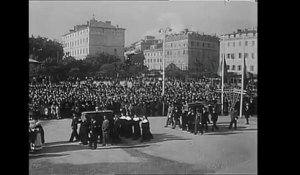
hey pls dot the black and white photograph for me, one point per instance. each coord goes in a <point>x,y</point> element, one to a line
<point>143,87</point>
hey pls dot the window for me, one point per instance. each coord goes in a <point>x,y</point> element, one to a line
<point>246,55</point>
<point>228,67</point>
<point>87,51</point>
<point>246,43</point>
<point>240,43</point>
<point>228,55</point>
<point>86,40</point>
<point>157,60</point>
<point>171,44</point>
<point>192,43</point>
<point>240,55</point>
<point>233,67</point>
<point>251,68</point>
<point>233,44</point>
<point>239,67</point>
<point>232,56</point>
<point>83,51</point>
<point>253,43</point>
<point>252,55</point>
<point>228,44</point>
<point>198,44</point>
<point>154,60</point>
<point>183,52</point>
<point>203,45</point>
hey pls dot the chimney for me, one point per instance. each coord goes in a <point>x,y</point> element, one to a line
<point>87,23</point>
<point>108,22</point>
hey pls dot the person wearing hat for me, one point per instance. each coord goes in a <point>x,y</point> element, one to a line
<point>74,125</point>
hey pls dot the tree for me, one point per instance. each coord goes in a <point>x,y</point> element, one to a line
<point>42,48</point>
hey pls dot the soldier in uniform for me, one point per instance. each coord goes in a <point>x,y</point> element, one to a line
<point>214,118</point>
<point>93,134</point>
<point>74,126</point>
<point>105,130</point>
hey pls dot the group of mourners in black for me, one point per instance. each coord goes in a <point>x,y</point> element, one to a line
<point>125,124</point>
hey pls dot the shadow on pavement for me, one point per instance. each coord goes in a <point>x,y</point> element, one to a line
<point>37,155</point>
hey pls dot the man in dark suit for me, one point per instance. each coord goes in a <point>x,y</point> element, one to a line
<point>233,117</point>
<point>105,130</point>
<point>247,113</point>
<point>205,118</point>
<point>214,118</point>
<point>93,134</point>
<point>74,129</point>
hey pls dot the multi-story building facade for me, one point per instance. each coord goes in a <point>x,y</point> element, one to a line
<point>237,45</point>
<point>145,43</point>
<point>94,37</point>
<point>188,51</point>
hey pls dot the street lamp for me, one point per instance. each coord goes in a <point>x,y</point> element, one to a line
<point>164,32</point>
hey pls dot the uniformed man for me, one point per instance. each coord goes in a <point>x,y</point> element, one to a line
<point>93,134</point>
<point>105,130</point>
<point>74,126</point>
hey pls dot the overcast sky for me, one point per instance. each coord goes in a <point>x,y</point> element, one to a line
<point>54,18</point>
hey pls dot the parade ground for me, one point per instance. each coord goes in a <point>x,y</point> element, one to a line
<point>172,151</point>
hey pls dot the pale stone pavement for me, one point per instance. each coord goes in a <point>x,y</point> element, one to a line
<point>172,151</point>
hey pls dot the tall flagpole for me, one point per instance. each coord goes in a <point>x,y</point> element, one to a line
<point>242,89</point>
<point>222,85</point>
<point>164,31</point>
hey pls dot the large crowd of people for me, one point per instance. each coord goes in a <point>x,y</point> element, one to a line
<point>132,101</point>
<point>60,100</point>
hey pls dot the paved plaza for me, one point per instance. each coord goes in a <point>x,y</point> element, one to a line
<point>172,151</point>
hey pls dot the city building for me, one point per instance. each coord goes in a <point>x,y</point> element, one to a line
<point>145,43</point>
<point>94,37</point>
<point>187,50</point>
<point>237,45</point>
